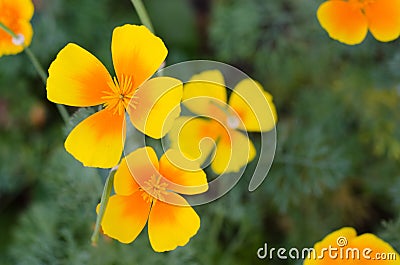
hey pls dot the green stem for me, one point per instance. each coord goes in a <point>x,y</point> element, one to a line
<point>39,69</point>
<point>103,204</point>
<point>142,13</point>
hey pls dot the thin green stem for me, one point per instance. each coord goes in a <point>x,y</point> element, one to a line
<point>103,204</point>
<point>142,13</point>
<point>39,69</point>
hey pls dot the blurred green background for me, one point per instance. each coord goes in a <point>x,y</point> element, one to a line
<point>338,152</point>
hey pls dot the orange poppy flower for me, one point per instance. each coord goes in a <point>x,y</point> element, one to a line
<point>15,16</point>
<point>77,78</point>
<point>171,220</point>
<point>250,108</point>
<point>345,247</point>
<point>349,21</point>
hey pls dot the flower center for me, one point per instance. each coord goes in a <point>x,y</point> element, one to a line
<point>122,92</point>
<point>154,189</point>
<point>18,40</point>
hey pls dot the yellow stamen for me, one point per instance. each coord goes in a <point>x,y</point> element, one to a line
<point>154,189</point>
<point>122,92</point>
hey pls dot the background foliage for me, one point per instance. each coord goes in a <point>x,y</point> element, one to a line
<point>337,161</point>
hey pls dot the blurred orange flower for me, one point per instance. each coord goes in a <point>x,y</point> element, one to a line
<point>79,79</point>
<point>345,247</point>
<point>349,21</point>
<point>171,220</point>
<point>221,122</point>
<point>15,16</point>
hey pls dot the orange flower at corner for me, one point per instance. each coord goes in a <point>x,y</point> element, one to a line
<point>15,16</point>
<point>171,220</point>
<point>77,78</point>
<point>345,247</point>
<point>349,21</point>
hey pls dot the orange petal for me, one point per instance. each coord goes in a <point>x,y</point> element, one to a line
<point>384,19</point>
<point>186,176</point>
<point>125,217</point>
<point>171,226</point>
<point>204,91</point>
<point>234,150</point>
<point>18,9</point>
<point>377,246</point>
<point>343,21</point>
<point>98,140</point>
<point>142,164</point>
<point>77,78</point>
<point>136,52</point>
<point>156,105</point>
<point>254,106</point>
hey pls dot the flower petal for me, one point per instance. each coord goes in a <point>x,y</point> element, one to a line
<point>98,140</point>
<point>343,21</point>
<point>376,245</point>
<point>136,52</point>
<point>254,106</point>
<point>125,217</point>
<point>136,168</point>
<point>193,137</point>
<point>171,226</point>
<point>384,19</point>
<point>77,78</point>
<point>203,91</point>
<point>186,176</point>
<point>19,9</point>
<point>156,105</point>
<point>234,150</point>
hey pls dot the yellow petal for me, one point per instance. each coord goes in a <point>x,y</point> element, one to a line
<point>234,150</point>
<point>171,226</point>
<point>203,91</point>
<point>384,19</point>
<point>98,140</point>
<point>142,164</point>
<point>186,176</point>
<point>254,106</point>
<point>193,137</point>
<point>136,52</point>
<point>156,105</point>
<point>125,217</point>
<point>124,183</point>
<point>343,21</point>
<point>77,78</point>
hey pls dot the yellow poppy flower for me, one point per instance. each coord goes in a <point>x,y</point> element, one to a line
<point>15,15</point>
<point>345,247</point>
<point>171,220</point>
<point>77,78</point>
<point>249,108</point>
<point>349,21</point>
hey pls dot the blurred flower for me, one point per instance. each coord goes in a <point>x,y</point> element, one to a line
<point>345,247</point>
<point>77,78</point>
<point>349,21</point>
<point>15,29</point>
<point>171,220</point>
<point>250,108</point>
